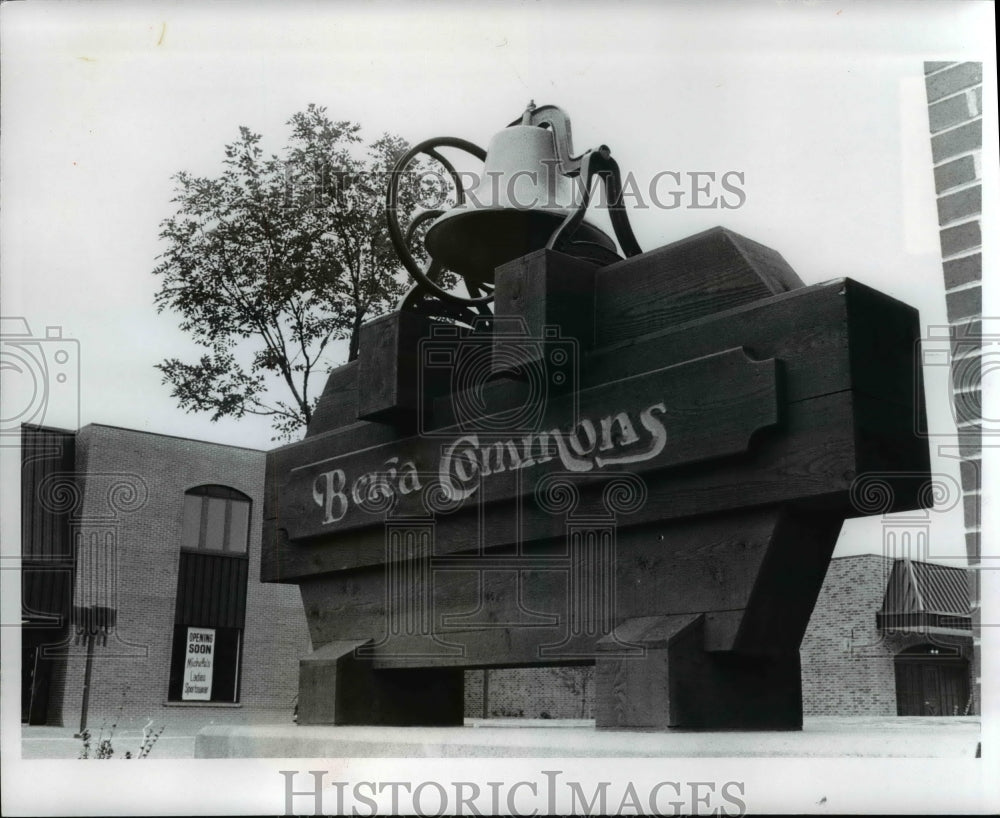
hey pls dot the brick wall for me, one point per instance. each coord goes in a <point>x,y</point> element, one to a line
<point>133,487</point>
<point>558,693</point>
<point>474,694</point>
<point>847,665</point>
<point>955,107</point>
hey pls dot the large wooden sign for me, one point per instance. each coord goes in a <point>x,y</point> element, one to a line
<point>685,413</point>
<point>665,507</point>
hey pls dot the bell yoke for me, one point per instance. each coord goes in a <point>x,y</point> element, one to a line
<point>533,194</point>
<point>597,456</point>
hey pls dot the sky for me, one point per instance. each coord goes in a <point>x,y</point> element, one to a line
<point>820,105</point>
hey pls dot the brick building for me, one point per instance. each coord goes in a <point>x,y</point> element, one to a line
<point>888,637</point>
<point>955,119</point>
<point>140,550</point>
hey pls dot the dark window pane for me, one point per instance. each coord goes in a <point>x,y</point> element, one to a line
<point>224,492</point>
<point>225,678</point>
<point>215,526</point>
<point>177,662</point>
<point>239,527</point>
<point>192,521</point>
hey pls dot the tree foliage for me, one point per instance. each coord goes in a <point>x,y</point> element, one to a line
<point>269,262</point>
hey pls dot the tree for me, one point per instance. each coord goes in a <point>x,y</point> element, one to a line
<point>270,261</point>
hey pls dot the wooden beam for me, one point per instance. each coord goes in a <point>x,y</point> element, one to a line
<point>697,276</point>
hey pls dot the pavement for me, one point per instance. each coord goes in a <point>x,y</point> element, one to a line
<point>176,740</point>
<point>821,737</point>
<point>60,742</point>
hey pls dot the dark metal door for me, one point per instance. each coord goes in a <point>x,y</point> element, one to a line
<point>931,684</point>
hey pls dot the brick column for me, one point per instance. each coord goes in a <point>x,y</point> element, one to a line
<point>955,106</point>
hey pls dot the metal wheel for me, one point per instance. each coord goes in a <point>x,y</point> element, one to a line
<point>479,297</point>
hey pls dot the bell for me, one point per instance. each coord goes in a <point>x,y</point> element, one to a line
<point>523,199</point>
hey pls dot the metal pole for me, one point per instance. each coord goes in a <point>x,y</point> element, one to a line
<point>86,684</point>
<point>34,686</point>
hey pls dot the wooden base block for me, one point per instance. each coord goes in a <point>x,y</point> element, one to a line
<point>336,687</point>
<point>389,385</point>
<point>677,684</point>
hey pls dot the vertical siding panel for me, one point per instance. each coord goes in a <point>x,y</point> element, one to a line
<point>226,594</point>
<point>221,595</point>
<point>48,561</point>
<point>233,573</point>
<point>180,599</point>
<point>212,590</point>
<point>193,578</point>
<point>192,592</point>
<point>203,567</point>
<point>184,590</point>
<point>234,592</point>
<point>241,609</point>
<point>211,598</point>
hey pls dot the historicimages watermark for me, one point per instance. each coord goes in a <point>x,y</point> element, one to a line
<point>433,188</point>
<point>549,793</point>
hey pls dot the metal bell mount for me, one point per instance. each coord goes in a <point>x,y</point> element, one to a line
<point>533,194</point>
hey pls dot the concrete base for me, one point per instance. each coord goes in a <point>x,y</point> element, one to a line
<point>820,737</point>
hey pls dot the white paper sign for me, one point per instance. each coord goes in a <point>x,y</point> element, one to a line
<point>198,658</point>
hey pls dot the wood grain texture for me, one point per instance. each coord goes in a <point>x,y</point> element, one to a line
<point>776,403</point>
<point>808,330</point>
<point>546,289</point>
<point>342,439</point>
<point>706,408</point>
<point>389,383</point>
<point>634,692</point>
<point>754,575</point>
<point>677,684</point>
<point>691,278</point>
<point>884,346</point>
<point>830,337</point>
<point>337,687</point>
<point>338,405</point>
<point>813,464</point>
<point>785,586</point>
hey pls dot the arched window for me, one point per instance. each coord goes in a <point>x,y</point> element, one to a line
<point>216,518</point>
<point>210,611</point>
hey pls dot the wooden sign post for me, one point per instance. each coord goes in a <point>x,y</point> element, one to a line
<point>643,466</point>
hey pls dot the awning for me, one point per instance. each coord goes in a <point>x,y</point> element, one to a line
<point>925,598</point>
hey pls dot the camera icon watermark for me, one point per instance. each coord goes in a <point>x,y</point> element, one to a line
<point>470,361</point>
<point>41,378</point>
<point>972,356</point>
